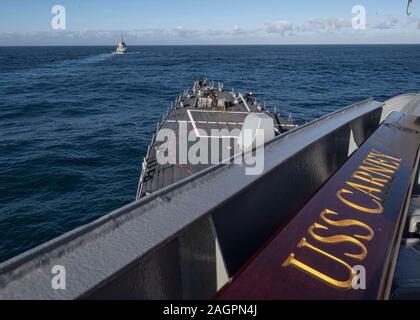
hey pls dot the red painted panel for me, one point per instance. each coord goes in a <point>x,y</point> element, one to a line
<point>367,196</point>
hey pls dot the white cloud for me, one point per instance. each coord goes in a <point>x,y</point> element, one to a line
<point>279,26</point>
<point>329,24</point>
<point>316,30</point>
<point>386,23</point>
<point>237,30</point>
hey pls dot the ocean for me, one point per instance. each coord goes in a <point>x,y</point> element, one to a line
<point>75,122</point>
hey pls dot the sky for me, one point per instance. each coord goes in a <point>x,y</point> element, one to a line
<point>146,22</point>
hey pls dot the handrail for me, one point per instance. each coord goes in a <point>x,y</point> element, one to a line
<point>96,255</point>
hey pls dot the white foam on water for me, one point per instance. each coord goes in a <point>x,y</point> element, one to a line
<point>62,67</point>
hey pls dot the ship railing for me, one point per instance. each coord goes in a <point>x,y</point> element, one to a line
<point>187,240</point>
<point>382,213</point>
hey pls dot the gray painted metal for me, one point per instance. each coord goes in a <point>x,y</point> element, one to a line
<point>163,246</point>
<point>201,118</point>
<point>406,283</point>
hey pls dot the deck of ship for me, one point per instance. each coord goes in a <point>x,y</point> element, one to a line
<point>209,123</point>
<point>189,240</point>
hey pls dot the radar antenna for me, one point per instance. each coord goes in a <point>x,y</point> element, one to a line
<point>409,7</point>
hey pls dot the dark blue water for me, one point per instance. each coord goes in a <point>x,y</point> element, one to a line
<point>75,122</point>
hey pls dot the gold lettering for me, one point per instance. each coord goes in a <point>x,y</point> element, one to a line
<point>339,239</point>
<point>383,163</point>
<point>347,223</point>
<point>376,163</point>
<point>367,177</point>
<point>292,261</point>
<point>376,153</point>
<point>377,170</point>
<point>365,189</point>
<point>378,209</point>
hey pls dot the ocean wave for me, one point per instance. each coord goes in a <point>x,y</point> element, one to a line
<point>75,122</point>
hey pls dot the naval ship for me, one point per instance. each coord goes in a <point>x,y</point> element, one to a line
<point>337,201</point>
<point>206,107</point>
<point>334,213</point>
<point>121,47</point>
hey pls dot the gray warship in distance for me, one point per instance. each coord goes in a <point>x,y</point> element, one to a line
<point>206,107</point>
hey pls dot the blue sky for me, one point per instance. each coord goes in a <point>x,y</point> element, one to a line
<point>28,22</point>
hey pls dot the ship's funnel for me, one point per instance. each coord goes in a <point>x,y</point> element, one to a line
<point>258,128</point>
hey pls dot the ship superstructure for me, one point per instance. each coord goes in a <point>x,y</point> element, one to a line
<point>122,47</point>
<point>208,113</point>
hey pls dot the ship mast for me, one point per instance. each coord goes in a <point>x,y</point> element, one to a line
<point>409,7</point>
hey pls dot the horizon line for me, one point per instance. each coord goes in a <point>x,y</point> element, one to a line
<point>212,45</point>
